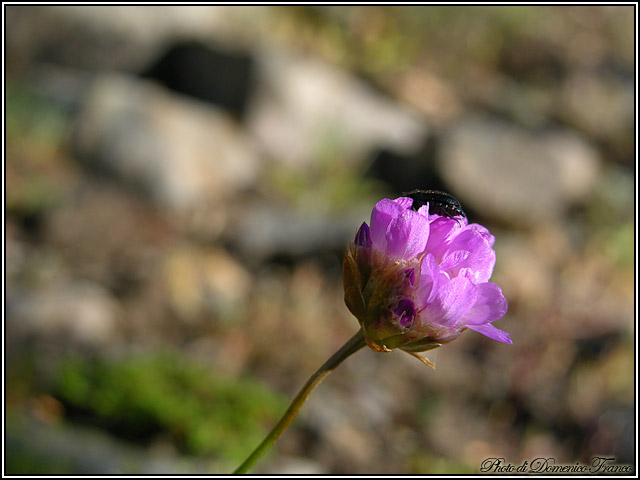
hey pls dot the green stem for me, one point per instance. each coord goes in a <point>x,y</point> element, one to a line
<point>352,346</point>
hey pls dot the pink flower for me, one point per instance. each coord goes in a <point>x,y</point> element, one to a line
<point>415,280</point>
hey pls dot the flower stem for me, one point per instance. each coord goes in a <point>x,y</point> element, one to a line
<point>352,346</point>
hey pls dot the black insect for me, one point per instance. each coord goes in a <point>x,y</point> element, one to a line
<point>440,203</point>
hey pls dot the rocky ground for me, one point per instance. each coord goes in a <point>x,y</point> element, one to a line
<point>181,183</point>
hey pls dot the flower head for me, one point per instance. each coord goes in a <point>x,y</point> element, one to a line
<point>415,280</point>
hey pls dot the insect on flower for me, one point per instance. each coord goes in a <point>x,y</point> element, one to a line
<point>440,203</point>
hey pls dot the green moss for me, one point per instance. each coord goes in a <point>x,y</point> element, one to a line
<point>144,396</point>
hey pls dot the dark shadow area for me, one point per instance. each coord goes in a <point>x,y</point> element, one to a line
<point>222,78</point>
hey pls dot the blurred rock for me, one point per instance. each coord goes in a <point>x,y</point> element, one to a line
<point>156,23</point>
<point>608,114</point>
<point>528,103</point>
<point>517,175</point>
<point>265,231</point>
<point>80,312</point>
<point>304,105</point>
<point>428,92</point>
<point>184,154</point>
<point>343,428</point>
<point>107,37</point>
<point>205,281</point>
<point>75,37</point>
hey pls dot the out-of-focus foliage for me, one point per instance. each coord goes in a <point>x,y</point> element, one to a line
<point>145,396</point>
<point>35,129</point>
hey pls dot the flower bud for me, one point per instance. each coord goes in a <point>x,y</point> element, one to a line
<point>415,280</point>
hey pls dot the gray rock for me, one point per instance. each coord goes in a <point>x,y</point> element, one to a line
<point>153,26</point>
<point>80,312</point>
<point>506,172</point>
<point>263,231</point>
<point>106,37</point>
<point>601,104</point>
<point>73,37</point>
<point>205,282</point>
<point>184,154</point>
<point>303,105</point>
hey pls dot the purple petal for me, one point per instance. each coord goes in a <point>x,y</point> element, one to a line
<point>363,236</point>
<point>429,279</point>
<point>404,202</point>
<point>407,235</point>
<point>410,275</point>
<point>481,257</point>
<point>454,300</point>
<point>489,307</point>
<point>405,312</point>
<point>492,332</point>
<point>424,210</point>
<point>452,260</point>
<point>381,216</point>
<point>442,231</point>
<point>484,232</point>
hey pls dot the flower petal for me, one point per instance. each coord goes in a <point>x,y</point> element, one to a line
<point>484,232</point>
<point>363,236</point>
<point>452,260</point>
<point>490,305</point>
<point>480,260</point>
<point>404,202</point>
<point>404,312</point>
<point>429,280</point>
<point>453,301</point>
<point>381,216</point>
<point>492,332</point>
<point>414,279</point>
<point>407,235</point>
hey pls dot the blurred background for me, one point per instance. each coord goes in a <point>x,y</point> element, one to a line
<point>181,183</point>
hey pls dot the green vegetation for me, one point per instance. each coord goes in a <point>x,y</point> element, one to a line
<point>162,394</point>
<point>37,176</point>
